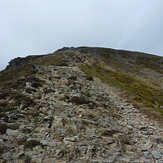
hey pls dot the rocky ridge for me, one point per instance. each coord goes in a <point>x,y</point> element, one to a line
<point>76,118</point>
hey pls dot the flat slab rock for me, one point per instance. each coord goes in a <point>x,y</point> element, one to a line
<point>156,154</point>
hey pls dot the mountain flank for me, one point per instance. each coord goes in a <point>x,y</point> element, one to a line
<point>82,105</point>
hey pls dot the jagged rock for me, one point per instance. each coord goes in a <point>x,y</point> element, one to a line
<point>20,61</point>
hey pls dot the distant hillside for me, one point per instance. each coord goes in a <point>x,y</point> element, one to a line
<point>138,74</point>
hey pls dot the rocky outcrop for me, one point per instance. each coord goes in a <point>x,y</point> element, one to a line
<point>20,61</point>
<point>73,119</point>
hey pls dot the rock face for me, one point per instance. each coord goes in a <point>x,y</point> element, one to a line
<point>76,120</point>
<point>20,61</point>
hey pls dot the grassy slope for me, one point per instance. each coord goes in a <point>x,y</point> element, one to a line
<point>123,69</point>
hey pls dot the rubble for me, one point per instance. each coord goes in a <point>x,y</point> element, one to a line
<point>77,120</point>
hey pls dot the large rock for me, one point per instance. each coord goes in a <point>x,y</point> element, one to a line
<point>78,98</point>
<point>156,154</point>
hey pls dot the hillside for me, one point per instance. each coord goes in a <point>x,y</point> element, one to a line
<point>82,105</point>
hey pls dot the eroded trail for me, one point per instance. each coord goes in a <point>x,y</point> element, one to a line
<point>80,120</point>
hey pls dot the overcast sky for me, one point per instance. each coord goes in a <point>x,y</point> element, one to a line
<point>42,26</point>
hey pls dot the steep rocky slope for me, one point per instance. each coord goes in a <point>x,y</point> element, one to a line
<point>51,111</point>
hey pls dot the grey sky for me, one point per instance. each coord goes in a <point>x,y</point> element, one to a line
<point>41,26</point>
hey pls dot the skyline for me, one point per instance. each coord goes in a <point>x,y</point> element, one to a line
<point>40,27</point>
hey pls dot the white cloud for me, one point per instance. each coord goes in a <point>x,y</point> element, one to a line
<point>39,27</point>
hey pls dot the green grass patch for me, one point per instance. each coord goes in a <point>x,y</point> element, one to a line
<point>141,91</point>
<point>14,77</point>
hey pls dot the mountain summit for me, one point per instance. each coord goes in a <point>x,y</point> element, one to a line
<point>82,105</point>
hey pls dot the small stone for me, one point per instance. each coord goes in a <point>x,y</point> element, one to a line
<point>80,115</point>
<point>72,139</point>
<point>28,84</point>
<point>156,154</point>
<point>12,132</point>
<point>78,137</point>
